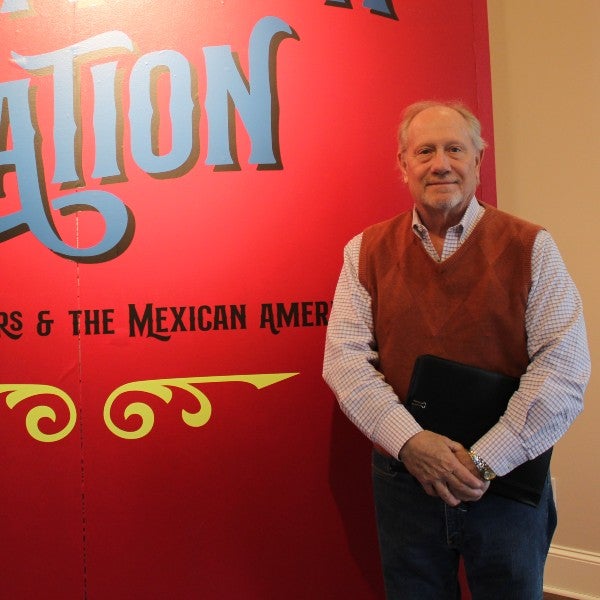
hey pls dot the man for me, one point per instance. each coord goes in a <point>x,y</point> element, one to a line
<point>462,280</point>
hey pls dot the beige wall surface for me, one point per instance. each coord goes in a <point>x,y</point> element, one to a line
<point>545,59</point>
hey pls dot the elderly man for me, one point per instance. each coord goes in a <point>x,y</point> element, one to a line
<point>463,281</point>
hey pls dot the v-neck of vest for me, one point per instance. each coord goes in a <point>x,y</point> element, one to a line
<point>464,246</point>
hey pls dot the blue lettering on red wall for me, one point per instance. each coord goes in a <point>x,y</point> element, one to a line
<point>385,8</point>
<point>254,98</point>
<point>379,7</point>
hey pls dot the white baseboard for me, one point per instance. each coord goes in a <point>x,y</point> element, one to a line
<point>572,573</point>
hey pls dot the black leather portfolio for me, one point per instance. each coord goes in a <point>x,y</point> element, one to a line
<point>463,402</point>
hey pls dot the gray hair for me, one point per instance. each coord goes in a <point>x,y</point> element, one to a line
<point>411,111</point>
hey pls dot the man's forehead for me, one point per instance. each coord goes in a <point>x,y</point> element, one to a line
<point>438,122</point>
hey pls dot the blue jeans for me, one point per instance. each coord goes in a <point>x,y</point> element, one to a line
<point>503,543</point>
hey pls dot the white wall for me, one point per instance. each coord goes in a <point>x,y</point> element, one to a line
<point>545,58</point>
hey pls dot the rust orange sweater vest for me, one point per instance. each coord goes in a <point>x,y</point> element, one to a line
<point>469,308</point>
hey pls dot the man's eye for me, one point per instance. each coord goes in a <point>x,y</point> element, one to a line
<point>424,151</point>
<point>455,149</point>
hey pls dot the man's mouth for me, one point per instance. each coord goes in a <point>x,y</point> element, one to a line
<point>441,183</point>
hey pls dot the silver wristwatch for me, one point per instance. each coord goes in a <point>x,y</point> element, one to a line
<point>484,469</point>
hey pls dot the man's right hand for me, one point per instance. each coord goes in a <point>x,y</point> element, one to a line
<point>435,461</point>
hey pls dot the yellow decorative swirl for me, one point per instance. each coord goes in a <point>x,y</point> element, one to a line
<point>21,391</point>
<point>162,389</point>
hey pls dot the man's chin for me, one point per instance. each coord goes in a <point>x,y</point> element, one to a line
<point>441,201</point>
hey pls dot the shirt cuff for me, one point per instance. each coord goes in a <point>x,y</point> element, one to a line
<point>395,429</point>
<point>501,449</point>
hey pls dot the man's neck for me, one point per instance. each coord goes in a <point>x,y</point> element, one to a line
<point>438,220</point>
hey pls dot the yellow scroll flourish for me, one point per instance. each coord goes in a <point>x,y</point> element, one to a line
<point>162,388</point>
<point>18,392</point>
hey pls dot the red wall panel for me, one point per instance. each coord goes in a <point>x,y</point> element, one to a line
<point>225,272</point>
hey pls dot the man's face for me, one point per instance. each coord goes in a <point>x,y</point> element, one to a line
<point>440,163</point>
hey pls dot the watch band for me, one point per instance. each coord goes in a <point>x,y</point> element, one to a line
<point>484,469</point>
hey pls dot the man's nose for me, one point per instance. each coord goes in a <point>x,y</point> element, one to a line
<point>440,162</point>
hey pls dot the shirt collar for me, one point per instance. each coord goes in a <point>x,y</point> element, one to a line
<point>470,217</point>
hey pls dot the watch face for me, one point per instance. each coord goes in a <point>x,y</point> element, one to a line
<point>488,474</point>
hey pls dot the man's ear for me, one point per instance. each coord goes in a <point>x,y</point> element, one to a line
<point>478,161</point>
<point>402,165</point>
